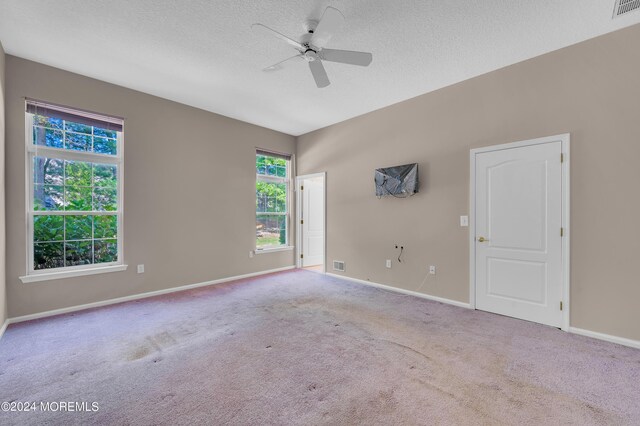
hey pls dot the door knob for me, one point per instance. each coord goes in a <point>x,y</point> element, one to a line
<point>482,239</point>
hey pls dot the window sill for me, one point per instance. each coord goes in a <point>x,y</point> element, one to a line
<point>68,274</point>
<point>274,250</point>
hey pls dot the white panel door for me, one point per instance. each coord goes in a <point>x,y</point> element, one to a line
<point>518,241</point>
<point>313,222</point>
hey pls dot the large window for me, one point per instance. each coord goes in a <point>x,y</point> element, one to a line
<point>272,200</point>
<point>74,179</point>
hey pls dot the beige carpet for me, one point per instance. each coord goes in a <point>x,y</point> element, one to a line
<point>302,348</point>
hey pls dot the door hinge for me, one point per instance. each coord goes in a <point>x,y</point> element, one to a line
<point>301,187</point>
<point>561,305</point>
<point>562,232</point>
<point>562,157</point>
<point>301,256</point>
<point>301,221</point>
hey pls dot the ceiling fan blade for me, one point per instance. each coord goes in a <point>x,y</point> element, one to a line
<point>280,65</point>
<point>346,57</point>
<point>330,23</point>
<point>319,73</point>
<point>264,30</point>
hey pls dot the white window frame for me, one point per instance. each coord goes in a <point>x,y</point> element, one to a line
<point>274,179</point>
<point>31,151</point>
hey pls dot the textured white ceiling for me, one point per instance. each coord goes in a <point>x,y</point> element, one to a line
<point>203,52</point>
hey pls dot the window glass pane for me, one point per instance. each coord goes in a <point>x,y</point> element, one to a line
<point>48,137</point>
<point>78,227</point>
<point>48,255</point>
<point>78,253</point>
<point>97,131</point>
<point>78,173</point>
<point>271,230</point>
<point>48,228</point>
<point>106,250</point>
<point>48,170</point>
<point>77,127</point>
<point>261,168</point>
<point>105,199</point>
<point>54,123</point>
<point>78,198</point>
<point>77,141</point>
<point>48,197</point>
<point>105,175</point>
<point>105,226</point>
<point>105,146</point>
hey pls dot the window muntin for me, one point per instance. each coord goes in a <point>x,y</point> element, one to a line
<point>75,185</point>
<point>272,201</point>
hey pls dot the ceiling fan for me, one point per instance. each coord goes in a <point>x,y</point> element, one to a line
<point>311,47</point>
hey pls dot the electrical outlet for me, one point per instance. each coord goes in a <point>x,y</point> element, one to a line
<point>141,269</point>
<point>464,221</point>
<point>388,264</point>
<point>432,270</point>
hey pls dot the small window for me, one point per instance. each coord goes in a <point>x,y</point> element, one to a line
<point>272,200</point>
<point>74,178</point>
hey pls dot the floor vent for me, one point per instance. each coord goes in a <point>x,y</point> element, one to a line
<point>625,6</point>
<point>338,265</point>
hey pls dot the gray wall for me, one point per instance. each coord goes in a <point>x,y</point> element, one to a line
<point>3,293</point>
<point>189,191</point>
<point>589,90</point>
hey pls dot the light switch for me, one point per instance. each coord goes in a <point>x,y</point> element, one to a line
<point>464,221</point>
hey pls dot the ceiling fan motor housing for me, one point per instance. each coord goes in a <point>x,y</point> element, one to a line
<point>311,55</point>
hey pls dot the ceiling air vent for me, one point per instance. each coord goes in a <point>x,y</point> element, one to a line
<point>338,265</point>
<point>625,6</point>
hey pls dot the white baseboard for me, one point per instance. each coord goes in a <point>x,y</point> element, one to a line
<point>136,297</point>
<point>607,337</point>
<point>4,327</point>
<point>403,291</point>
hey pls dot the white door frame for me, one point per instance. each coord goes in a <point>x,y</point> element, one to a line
<point>565,140</point>
<point>299,180</point>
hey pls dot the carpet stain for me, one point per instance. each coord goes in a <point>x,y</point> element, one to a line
<point>516,403</point>
<point>153,344</point>
<point>161,340</point>
<point>137,353</point>
<point>385,401</point>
